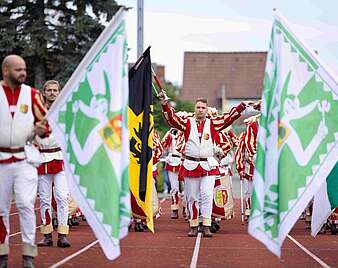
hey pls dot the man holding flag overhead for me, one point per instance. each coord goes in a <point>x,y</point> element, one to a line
<point>89,121</point>
<point>293,161</point>
<point>141,126</point>
<point>199,166</point>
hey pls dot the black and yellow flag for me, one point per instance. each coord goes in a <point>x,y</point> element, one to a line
<point>141,124</point>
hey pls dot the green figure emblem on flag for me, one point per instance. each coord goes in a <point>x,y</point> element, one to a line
<point>90,120</point>
<point>298,136</point>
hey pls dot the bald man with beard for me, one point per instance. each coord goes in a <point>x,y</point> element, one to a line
<point>21,117</point>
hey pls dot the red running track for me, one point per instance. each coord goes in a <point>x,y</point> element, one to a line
<point>170,247</point>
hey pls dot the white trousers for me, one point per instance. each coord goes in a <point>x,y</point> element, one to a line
<point>61,196</point>
<point>22,179</point>
<point>199,194</point>
<point>174,184</point>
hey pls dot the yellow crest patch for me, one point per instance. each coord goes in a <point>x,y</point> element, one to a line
<point>111,133</point>
<point>284,133</point>
<point>24,108</point>
<point>220,196</point>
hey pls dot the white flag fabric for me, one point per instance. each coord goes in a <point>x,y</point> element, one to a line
<point>89,120</point>
<point>298,136</point>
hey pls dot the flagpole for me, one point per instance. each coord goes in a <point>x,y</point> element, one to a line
<point>158,83</point>
<point>157,80</point>
<point>139,60</point>
<point>154,88</point>
<point>137,63</point>
<point>140,13</point>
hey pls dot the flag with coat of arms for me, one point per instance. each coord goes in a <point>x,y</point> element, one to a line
<point>89,120</point>
<point>298,136</point>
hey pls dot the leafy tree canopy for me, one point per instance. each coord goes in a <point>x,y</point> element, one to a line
<point>52,35</point>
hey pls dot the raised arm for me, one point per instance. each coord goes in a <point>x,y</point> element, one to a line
<point>170,115</point>
<point>173,119</point>
<point>226,119</point>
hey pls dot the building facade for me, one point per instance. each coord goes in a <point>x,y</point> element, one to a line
<point>224,78</point>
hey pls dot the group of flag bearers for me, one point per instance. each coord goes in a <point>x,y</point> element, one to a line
<point>205,213</point>
<point>206,162</point>
<point>199,168</point>
<point>201,148</point>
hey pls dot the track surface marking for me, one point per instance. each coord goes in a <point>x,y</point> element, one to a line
<point>313,256</point>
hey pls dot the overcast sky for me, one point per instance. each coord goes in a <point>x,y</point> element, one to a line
<point>174,26</point>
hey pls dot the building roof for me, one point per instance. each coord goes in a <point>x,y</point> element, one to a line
<point>239,74</point>
<point>159,70</point>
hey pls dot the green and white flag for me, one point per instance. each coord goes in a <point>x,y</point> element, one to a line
<point>89,121</point>
<point>325,201</point>
<point>298,136</point>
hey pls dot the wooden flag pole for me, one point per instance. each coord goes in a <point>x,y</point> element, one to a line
<point>157,80</point>
<point>137,63</point>
<point>158,83</point>
<point>154,88</point>
<point>139,60</point>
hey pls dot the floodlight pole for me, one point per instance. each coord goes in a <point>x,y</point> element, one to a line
<point>140,12</point>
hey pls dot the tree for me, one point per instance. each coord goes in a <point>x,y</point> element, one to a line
<point>52,35</point>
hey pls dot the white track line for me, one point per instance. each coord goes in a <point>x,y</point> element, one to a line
<point>58,264</point>
<point>82,250</point>
<point>193,263</point>
<point>323,264</point>
<point>20,232</point>
<point>16,213</point>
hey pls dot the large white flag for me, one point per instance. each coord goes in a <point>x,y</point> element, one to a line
<point>89,120</point>
<point>298,136</point>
